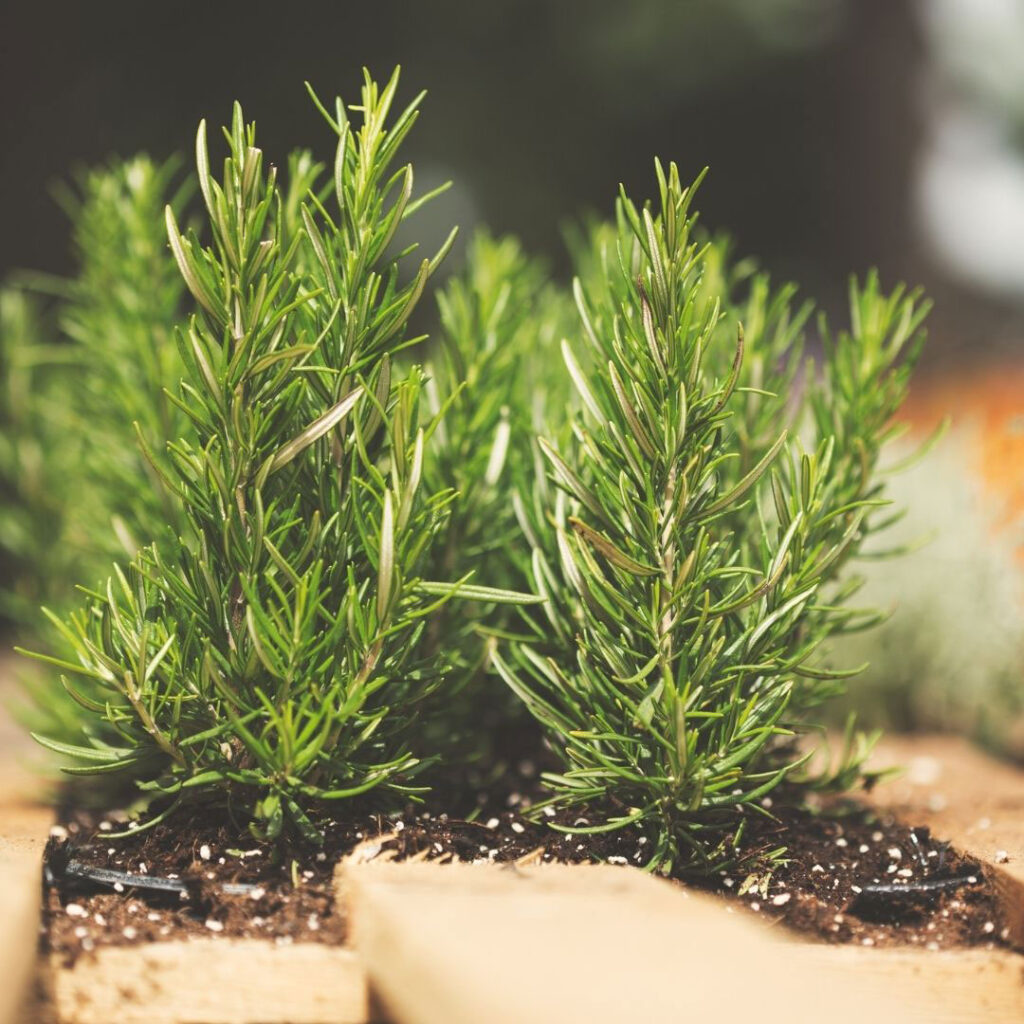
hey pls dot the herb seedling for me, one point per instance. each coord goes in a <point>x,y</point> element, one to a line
<point>268,654</point>
<point>689,540</point>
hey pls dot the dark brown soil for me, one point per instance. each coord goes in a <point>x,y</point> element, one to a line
<point>824,888</point>
<point>291,901</point>
<point>858,879</point>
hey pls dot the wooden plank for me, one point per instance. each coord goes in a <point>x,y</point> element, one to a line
<point>962,795</point>
<point>24,824</point>
<point>227,981</point>
<point>463,944</point>
<point>22,836</point>
<point>951,986</point>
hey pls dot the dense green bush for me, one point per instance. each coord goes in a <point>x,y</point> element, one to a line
<point>319,541</point>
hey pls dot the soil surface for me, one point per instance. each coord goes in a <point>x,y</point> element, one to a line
<point>872,880</point>
<point>849,875</point>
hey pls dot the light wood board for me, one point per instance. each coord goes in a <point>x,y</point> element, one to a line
<point>24,824</point>
<point>464,944</point>
<point>227,981</point>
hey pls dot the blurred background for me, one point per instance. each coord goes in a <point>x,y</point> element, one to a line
<point>841,135</point>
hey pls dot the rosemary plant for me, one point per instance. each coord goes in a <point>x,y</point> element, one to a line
<point>500,321</point>
<point>83,382</point>
<point>302,521</point>
<point>268,654</point>
<point>118,317</point>
<point>689,540</point>
<point>80,386</point>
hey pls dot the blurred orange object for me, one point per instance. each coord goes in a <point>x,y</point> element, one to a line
<point>987,409</point>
